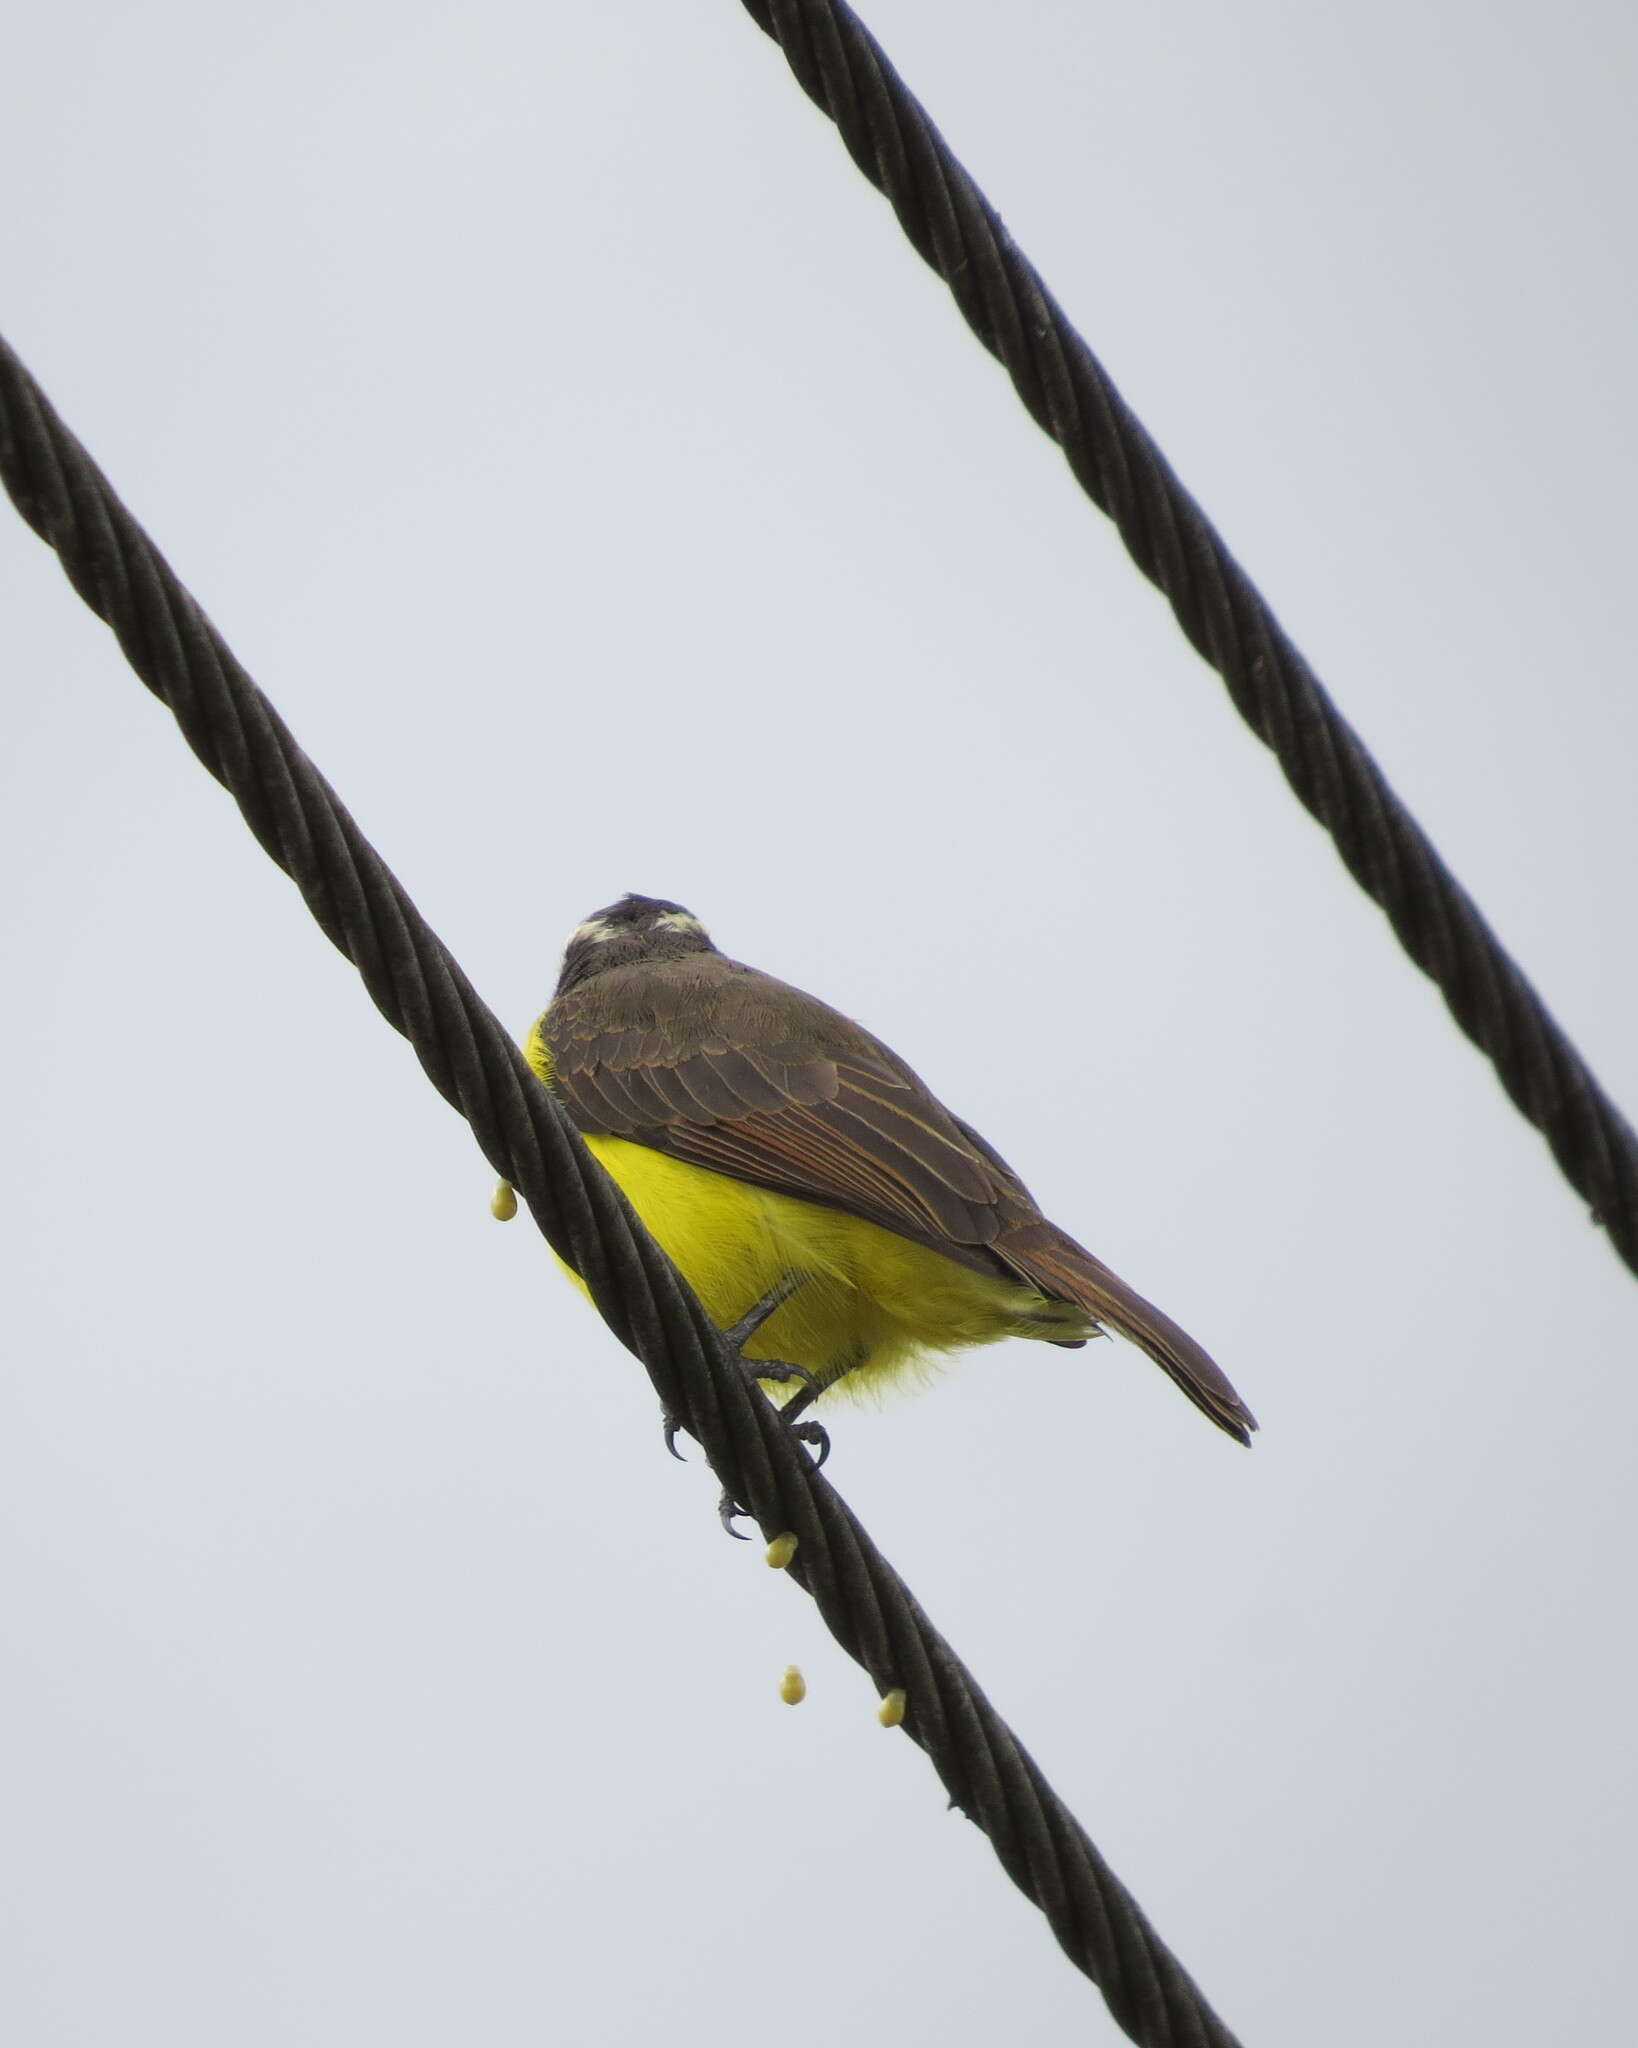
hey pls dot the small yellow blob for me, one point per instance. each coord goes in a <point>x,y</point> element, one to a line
<point>503,1203</point>
<point>891,1711</point>
<point>793,1687</point>
<point>780,1551</point>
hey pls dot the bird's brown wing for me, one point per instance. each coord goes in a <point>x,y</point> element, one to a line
<point>731,1075</point>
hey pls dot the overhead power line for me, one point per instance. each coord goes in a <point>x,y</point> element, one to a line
<point>1069,395</point>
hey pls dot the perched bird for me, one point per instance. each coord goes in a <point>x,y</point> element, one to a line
<point>831,1214</point>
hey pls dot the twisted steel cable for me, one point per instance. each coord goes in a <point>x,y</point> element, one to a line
<point>467,1055</point>
<point>1069,395</point>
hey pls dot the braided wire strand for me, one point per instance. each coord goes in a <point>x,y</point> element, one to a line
<point>525,1135</point>
<point>1069,395</point>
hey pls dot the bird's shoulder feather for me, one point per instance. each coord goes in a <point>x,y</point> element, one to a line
<point>716,1063</point>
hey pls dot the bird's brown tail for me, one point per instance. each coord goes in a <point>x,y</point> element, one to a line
<point>1063,1269</point>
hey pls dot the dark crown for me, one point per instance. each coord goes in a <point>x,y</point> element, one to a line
<point>634,929</point>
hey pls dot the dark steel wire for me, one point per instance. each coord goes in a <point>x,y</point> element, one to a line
<point>1069,395</point>
<point>474,1065</point>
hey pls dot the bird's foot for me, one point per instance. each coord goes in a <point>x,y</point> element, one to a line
<point>814,1433</point>
<point>781,1372</point>
<point>809,1432</point>
<point>737,1336</point>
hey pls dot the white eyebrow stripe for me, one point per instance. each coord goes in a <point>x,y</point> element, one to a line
<point>679,921</point>
<point>596,929</point>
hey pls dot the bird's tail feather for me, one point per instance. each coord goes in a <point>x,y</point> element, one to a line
<point>1062,1268</point>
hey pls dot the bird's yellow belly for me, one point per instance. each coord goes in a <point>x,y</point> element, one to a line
<point>871,1303</point>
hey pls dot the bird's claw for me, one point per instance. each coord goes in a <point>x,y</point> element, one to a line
<point>780,1372</point>
<point>729,1509</point>
<point>671,1424</point>
<point>814,1433</point>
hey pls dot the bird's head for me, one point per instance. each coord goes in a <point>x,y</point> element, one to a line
<point>636,928</point>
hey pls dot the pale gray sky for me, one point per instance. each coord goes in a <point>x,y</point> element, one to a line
<point>565,437</point>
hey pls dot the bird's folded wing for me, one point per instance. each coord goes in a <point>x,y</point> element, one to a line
<point>839,1129</point>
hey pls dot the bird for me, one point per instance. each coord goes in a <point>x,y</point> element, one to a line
<point>837,1221</point>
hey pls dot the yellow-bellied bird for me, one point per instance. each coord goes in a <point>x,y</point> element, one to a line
<point>831,1214</point>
